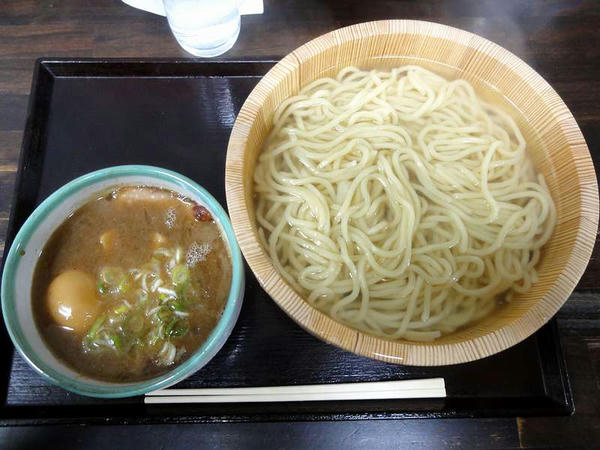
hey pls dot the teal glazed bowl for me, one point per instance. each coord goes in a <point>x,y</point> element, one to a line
<point>30,241</point>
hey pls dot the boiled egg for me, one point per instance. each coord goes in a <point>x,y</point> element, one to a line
<point>72,300</point>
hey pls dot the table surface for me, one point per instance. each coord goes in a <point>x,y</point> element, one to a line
<point>559,39</point>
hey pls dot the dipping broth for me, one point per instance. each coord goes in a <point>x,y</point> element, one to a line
<point>131,284</point>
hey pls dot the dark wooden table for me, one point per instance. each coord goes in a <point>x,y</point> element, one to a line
<point>560,39</point>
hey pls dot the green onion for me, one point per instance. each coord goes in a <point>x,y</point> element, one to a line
<point>180,274</point>
<point>135,323</point>
<point>142,295</point>
<point>114,280</point>
<point>124,285</point>
<point>111,275</point>
<point>170,326</point>
<point>125,326</point>
<point>95,327</point>
<point>163,314</point>
<point>102,288</point>
<point>155,263</point>
<point>121,309</point>
<point>176,328</point>
<point>180,291</point>
<point>179,330</point>
<point>152,338</point>
<point>176,306</point>
<point>116,340</point>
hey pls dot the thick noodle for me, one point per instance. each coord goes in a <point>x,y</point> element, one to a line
<point>399,203</point>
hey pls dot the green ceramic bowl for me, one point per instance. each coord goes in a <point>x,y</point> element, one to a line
<point>30,241</point>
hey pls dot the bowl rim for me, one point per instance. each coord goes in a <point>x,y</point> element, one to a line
<point>198,359</point>
<point>351,339</point>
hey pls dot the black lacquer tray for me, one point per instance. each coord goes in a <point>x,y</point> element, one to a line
<point>90,114</point>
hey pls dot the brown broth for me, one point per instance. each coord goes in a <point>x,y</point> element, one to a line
<point>76,245</point>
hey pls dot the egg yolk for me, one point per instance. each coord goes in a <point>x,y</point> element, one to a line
<point>72,300</point>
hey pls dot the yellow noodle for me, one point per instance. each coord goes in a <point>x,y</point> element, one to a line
<point>400,203</point>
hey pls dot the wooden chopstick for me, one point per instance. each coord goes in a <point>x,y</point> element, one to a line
<point>376,395</point>
<point>426,388</point>
<point>426,383</point>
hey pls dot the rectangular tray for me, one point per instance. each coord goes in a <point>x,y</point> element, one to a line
<point>89,114</point>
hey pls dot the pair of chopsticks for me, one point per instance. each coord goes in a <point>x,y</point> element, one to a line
<point>424,388</point>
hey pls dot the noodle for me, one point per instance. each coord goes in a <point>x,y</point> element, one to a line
<point>399,203</point>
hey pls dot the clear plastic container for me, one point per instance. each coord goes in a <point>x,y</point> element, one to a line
<point>204,28</point>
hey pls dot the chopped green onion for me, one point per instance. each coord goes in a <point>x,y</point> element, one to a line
<point>136,322</point>
<point>166,291</point>
<point>151,309</point>
<point>176,328</point>
<point>95,327</point>
<point>176,306</point>
<point>111,275</point>
<point>124,285</point>
<point>114,279</point>
<point>142,295</point>
<point>170,326</point>
<point>179,330</point>
<point>163,314</point>
<point>102,288</point>
<point>116,340</point>
<point>155,262</point>
<point>121,309</point>
<point>148,268</point>
<point>180,291</point>
<point>152,339</point>
<point>180,274</point>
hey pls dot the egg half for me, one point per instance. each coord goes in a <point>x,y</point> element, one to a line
<point>72,300</point>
